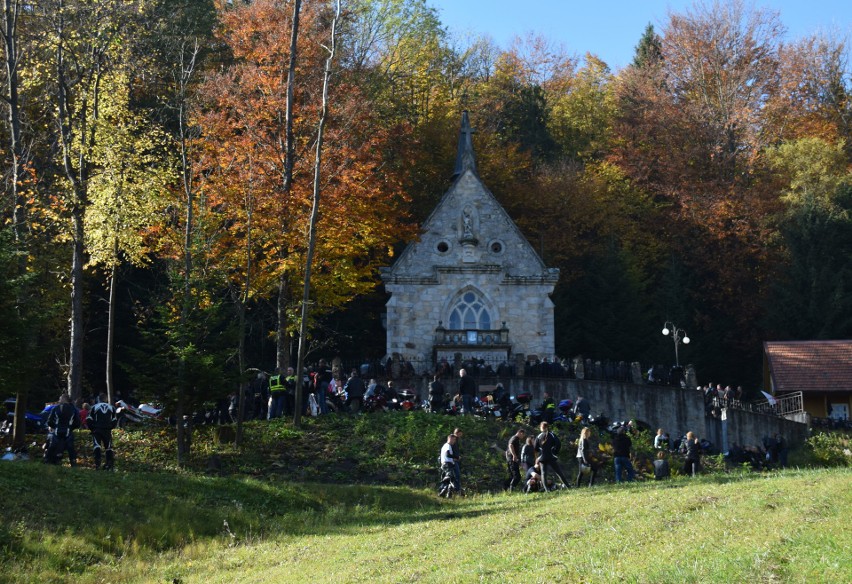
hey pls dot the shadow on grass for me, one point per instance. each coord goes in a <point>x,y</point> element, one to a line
<point>114,512</point>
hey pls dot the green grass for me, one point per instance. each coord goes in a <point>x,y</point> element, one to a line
<point>150,522</point>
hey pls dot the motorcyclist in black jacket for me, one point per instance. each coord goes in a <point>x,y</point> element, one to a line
<point>101,421</point>
<point>61,423</point>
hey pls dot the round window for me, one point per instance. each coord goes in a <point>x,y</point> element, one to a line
<point>443,247</point>
<point>496,247</point>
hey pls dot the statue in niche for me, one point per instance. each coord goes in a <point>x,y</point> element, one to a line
<point>467,225</point>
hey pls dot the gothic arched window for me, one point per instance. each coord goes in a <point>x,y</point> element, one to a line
<point>470,313</point>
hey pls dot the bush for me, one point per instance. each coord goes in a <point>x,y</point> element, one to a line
<point>831,448</point>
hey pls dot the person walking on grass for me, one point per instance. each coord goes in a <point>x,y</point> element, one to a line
<point>547,447</point>
<point>513,458</point>
<point>457,458</point>
<point>585,462</point>
<point>448,465</point>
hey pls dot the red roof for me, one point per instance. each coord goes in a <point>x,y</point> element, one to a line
<point>810,365</point>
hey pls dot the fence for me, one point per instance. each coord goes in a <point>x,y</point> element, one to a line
<point>403,370</point>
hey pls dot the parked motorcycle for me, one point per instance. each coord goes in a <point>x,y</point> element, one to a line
<point>34,423</point>
<point>142,414</point>
<point>380,403</point>
<point>408,400</point>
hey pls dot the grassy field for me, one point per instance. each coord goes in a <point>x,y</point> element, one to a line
<point>149,522</point>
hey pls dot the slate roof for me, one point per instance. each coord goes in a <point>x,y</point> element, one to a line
<point>809,366</point>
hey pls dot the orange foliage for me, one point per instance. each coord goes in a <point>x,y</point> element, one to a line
<point>244,153</point>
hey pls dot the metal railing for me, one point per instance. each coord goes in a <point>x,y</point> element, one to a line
<point>785,405</point>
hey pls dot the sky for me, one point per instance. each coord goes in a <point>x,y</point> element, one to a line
<point>611,29</point>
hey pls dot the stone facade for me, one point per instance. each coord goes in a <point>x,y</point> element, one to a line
<point>472,284</point>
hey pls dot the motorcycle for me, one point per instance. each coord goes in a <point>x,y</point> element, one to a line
<point>408,400</point>
<point>519,410</point>
<point>376,403</point>
<point>34,423</point>
<point>142,414</point>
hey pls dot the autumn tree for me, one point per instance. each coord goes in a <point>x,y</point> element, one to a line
<point>246,118</point>
<point>721,65</point>
<point>126,185</point>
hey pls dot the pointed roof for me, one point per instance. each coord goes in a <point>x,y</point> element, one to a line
<point>465,159</point>
<point>810,365</point>
<point>423,260</point>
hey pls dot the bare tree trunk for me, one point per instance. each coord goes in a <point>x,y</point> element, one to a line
<point>187,68</point>
<point>241,302</point>
<point>110,350</point>
<point>75,358</point>
<point>11,11</point>
<point>282,353</point>
<point>312,230</point>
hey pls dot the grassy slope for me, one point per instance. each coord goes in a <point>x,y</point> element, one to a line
<point>159,525</point>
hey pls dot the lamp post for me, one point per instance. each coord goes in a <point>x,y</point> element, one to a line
<point>678,336</point>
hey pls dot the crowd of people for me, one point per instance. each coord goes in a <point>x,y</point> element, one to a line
<point>716,398</point>
<point>533,461</point>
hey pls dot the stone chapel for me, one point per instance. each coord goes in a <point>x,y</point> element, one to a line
<point>472,285</point>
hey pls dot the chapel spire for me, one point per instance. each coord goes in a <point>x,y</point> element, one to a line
<point>465,159</point>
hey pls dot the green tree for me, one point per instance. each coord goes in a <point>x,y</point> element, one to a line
<point>649,51</point>
<point>581,118</point>
<point>812,295</point>
<point>125,192</point>
<point>78,44</point>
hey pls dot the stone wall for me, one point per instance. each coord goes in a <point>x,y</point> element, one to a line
<point>675,409</point>
<point>749,428</point>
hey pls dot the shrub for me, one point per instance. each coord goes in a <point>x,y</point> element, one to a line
<point>831,448</point>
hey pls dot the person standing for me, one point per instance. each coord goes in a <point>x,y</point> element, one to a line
<point>661,466</point>
<point>528,454</point>
<point>101,422</point>
<point>291,382</point>
<point>513,458</point>
<point>322,380</point>
<point>584,457</point>
<point>547,446</point>
<point>277,391</point>
<point>582,408</point>
<point>782,450</point>
<point>548,408</point>
<point>354,389</point>
<point>457,457</point>
<point>621,446</point>
<point>436,394</point>
<point>61,423</point>
<point>693,455</point>
<point>661,440</point>
<point>467,390</point>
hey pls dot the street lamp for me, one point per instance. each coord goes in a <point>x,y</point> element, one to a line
<point>678,336</point>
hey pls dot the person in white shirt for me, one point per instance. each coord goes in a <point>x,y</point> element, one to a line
<point>448,465</point>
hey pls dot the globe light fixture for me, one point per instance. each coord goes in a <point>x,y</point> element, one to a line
<point>678,336</point>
